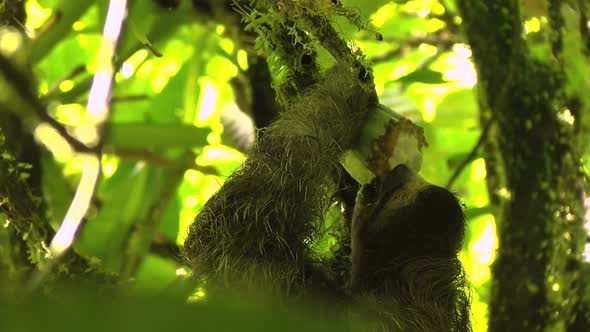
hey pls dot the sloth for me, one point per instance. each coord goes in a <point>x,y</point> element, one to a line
<point>406,236</point>
<point>256,231</point>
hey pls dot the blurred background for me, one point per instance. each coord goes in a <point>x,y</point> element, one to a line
<point>188,94</point>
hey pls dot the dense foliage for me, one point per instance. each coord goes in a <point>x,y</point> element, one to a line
<point>192,85</point>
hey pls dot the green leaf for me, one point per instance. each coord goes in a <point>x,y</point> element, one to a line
<point>53,68</point>
<point>456,159</point>
<point>159,35</point>
<point>426,76</point>
<point>57,191</point>
<point>458,110</point>
<point>170,222</point>
<point>155,274</point>
<point>472,213</point>
<point>400,25</point>
<point>144,135</point>
<point>167,106</point>
<point>147,21</point>
<point>367,8</point>
<point>104,235</point>
<point>69,12</point>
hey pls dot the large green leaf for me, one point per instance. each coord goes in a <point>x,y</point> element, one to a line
<point>458,110</point>
<point>366,8</point>
<point>155,136</point>
<point>57,192</point>
<point>162,25</point>
<point>155,274</point>
<point>66,13</point>
<point>103,236</point>
<point>423,75</point>
<point>53,68</point>
<point>170,223</point>
<point>166,106</point>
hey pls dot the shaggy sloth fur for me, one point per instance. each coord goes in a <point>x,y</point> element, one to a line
<point>255,232</point>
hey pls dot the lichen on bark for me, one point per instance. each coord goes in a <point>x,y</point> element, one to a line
<point>540,219</point>
<point>289,33</point>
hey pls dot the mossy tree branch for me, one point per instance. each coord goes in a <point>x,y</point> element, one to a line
<point>540,227</point>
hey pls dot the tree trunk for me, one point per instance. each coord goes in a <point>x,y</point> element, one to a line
<point>536,140</point>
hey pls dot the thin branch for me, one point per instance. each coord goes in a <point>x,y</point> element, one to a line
<point>98,109</point>
<point>471,156</point>
<point>124,98</point>
<point>500,103</point>
<point>448,17</point>
<point>142,237</point>
<point>75,72</point>
<point>584,28</point>
<point>129,98</point>
<point>64,236</point>
<point>436,40</point>
<point>329,38</point>
<point>25,92</point>
<point>157,159</point>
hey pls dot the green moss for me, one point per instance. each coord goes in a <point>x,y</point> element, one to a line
<point>526,96</point>
<point>19,205</point>
<point>289,33</point>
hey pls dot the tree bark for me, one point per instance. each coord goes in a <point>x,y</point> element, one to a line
<point>537,153</point>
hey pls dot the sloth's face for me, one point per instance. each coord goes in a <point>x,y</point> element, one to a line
<point>402,215</point>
